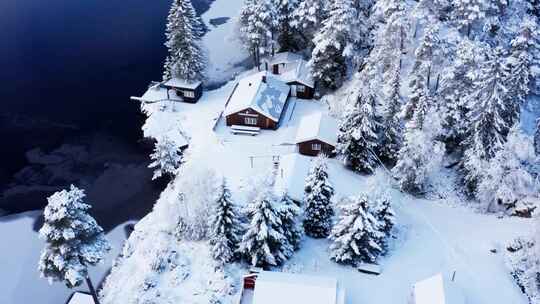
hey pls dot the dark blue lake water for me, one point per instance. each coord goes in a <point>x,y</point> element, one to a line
<point>67,70</point>
<point>75,63</point>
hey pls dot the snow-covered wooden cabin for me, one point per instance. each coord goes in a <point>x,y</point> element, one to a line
<point>317,133</point>
<point>190,91</point>
<point>436,290</point>
<point>268,287</point>
<point>259,101</point>
<point>293,70</point>
<point>80,298</point>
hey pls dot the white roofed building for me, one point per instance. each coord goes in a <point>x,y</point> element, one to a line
<point>293,70</point>
<point>436,290</point>
<point>288,288</point>
<point>258,100</point>
<point>80,298</point>
<point>317,133</point>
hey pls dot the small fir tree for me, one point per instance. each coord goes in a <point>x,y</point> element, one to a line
<point>167,158</point>
<point>73,240</point>
<point>289,214</point>
<point>225,226</point>
<point>357,136</point>
<point>317,201</point>
<point>186,59</point>
<point>356,236</point>
<point>263,242</point>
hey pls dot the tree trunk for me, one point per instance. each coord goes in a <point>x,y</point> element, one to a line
<point>92,290</point>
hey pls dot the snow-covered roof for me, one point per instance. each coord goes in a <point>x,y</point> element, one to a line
<point>298,71</point>
<point>436,290</point>
<point>317,126</point>
<point>286,288</point>
<point>81,298</point>
<point>182,83</point>
<point>283,57</point>
<point>266,97</point>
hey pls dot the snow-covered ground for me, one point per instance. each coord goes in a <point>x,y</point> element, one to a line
<point>435,235</point>
<point>225,56</point>
<point>19,277</point>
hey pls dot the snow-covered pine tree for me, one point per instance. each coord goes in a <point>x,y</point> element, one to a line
<point>284,32</point>
<point>357,135</point>
<point>456,83</point>
<point>167,158</point>
<point>335,44</point>
<point>392,136</point>
<point>491,115</point>
<point>318,194</point>
<point>257,25</point>
<point>73,239</point>
<point>263,242</point>
<point>289,214</point>
<point>384,9</point>
<point>186,59</point>
<point>356,236</point>
<point>520,61</point>
<point>467,12</point>
<point>420,153</point>
<point>420,74</point>
<point>307,19</point>
<point>385,215</point>
<point>225,226</point>
<point>507,185</point>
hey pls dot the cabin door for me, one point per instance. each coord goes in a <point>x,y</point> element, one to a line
<point>293,90</point>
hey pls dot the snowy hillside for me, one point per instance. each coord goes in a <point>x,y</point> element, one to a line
<point>429,98</point>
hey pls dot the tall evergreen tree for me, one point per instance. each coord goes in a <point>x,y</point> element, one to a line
<point>264,240</point>
<point>289,214</point>
<point>317,201</point>
<point>73,240</point>
<point>467,12</point>
<point>186,59</point>
<point>357,136</point>
<point>356,236</point>
<point>167,158</point>
<point>284,32</point>
<point>307,19</point>
<point>491,116</point>
<point>420,153</point>
<point>455,85</point>
<point>420,74</point>
<point>257,26</point>
<point>335,43</point>
<point>392,126</point>
<point>225,226</point>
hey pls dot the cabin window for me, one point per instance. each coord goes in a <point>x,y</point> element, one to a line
<point>301,89</point>
<point>316,147</point>
<point>189,94</point>
<point>251,121</point>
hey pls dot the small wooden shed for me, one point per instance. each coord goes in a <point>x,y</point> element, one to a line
<point>436,290</point>
<point>190,91</point>
<point>317,133</point>
<point>259,101</point>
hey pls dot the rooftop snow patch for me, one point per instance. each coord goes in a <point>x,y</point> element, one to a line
<point>261,92</point>
<point>317,126</point>
<point>285,288</point>
<point>283,57</point>
<point>80,298</point>
<point>182,83</point>
<point>298,71</point>
<point>436,290</point>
